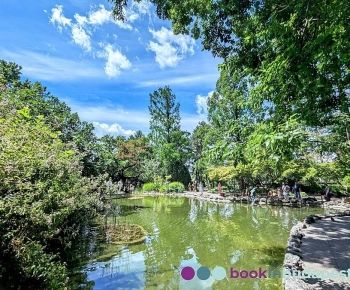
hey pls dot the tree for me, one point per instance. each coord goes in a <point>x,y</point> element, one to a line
<point>107,161</point>
<point>131,155</point>
<point>44,200</point>
<point>306,43</point>
<point>199,142</point>
<point>170,145</point>
<point>165,116</point>
<point>56,113</point>
<point>9,74</point>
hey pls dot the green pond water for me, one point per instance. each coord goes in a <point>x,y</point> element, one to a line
<point>186,232</point>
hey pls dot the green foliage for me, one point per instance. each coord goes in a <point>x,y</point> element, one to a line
<point>44,198</point>
<point>165,187</point>
<point>171,146</point>
<point>165,116</point>
<point>151,186</point>
<point>9,74</point>
<point>221,173</point>
<point>176,187</point>
<point>56,114</point>
<point>281,106</point>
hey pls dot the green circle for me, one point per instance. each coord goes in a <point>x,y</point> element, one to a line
<point>203,273</point>
<point>218,273</point>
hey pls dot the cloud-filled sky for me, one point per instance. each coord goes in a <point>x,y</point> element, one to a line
<point>103,68</point>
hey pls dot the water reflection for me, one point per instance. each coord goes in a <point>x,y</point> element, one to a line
<point>127,268</point>
<point>185,232</point>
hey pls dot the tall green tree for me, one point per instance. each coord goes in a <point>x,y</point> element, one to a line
<point>165,115</point>
<point>170,145</point>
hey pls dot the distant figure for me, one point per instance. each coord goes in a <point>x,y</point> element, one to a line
<point>280,193</point>
<point>253,194</point>
<point>296,190</point>
<point>285,191</point>
<point>120,186</point>
<point>220,189</point>
<point>327,194</point>
<point>201,187</point>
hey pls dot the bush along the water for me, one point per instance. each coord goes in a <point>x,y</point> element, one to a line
<point>151,186</point>
<point>44,200</point>
<point>176,187</point>
<point>164,187</point>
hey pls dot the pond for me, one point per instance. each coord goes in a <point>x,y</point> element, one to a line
<point>209,237</point>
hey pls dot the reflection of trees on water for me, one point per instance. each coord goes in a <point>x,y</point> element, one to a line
<point>184,230</point>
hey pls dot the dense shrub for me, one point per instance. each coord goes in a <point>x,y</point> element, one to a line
<point>164,187</point>
<point>44,200</point>
<point>176,187</point>
<point>151,186</point>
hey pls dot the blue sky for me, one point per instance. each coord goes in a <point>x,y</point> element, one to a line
<point>102,68</point>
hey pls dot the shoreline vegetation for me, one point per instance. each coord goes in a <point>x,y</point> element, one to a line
<point>280,114</point>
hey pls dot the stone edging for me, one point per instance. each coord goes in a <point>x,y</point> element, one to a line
<point>214,197</point>
<point>293,259</point>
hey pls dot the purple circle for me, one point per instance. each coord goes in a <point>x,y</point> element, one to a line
<point>187,273</point>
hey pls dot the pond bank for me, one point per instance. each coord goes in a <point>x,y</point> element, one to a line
<point>319,247</point>
<point>214,197</point>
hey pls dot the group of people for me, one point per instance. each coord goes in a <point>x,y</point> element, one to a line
<point>194,186</point>
<point>285,189</point>
<point>282,192</point>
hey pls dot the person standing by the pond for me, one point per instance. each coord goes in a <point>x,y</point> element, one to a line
<point>296,190</point>
<point>220,189</point>
<point>285,191</point>
<point>327,193</point>
<point>120,186</point>
<point>201,187</point>
<point>253,194</point>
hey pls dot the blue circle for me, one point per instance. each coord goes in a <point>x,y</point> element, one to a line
<point>218,273</point>
<point>203,273</point>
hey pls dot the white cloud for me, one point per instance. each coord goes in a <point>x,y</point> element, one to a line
<point>45,67</point>
<point>202,103</point>
<point>181,80</point>
<point>58,18</point>
<point>170,48</point>
<point>111,129</point>
<point>122,24</point>
<point>81,20</point>
<point>81,37</point>
<point>78,33</point>
<point>142,7</point>
<point>132,119</point>
<point>105,114</point>
<point>100,16</point>
<point>136,9</point>
<point>166,54</point>
<point>115,61</point>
